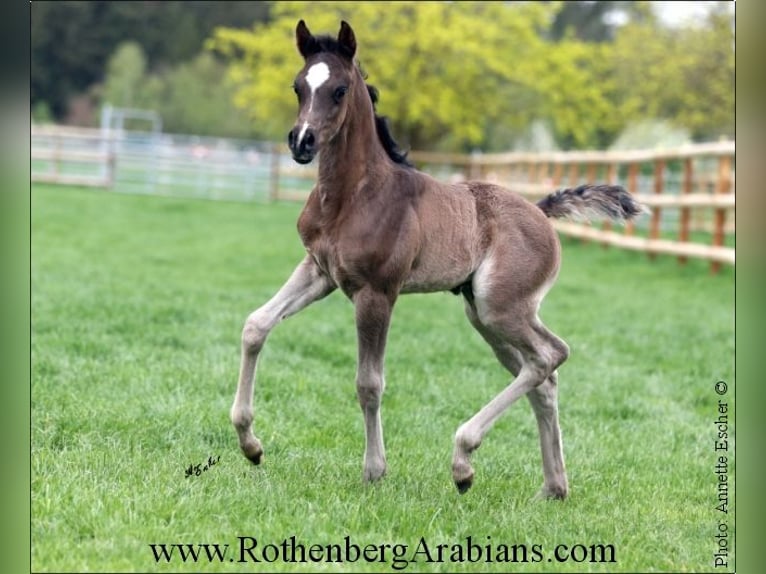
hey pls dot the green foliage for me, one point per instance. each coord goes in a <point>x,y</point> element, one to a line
<point>64,51</point>
<point>452,75</point>
<point>196,98</point>
<point>192,97</point>
<point>71,41</point>
<point>465,75</point>
<point>41,113</point>
<point>599,21</point>
<point>585,20</point>
<point>137,308</point>
<point>437,65</point>
<point>684,75</point>
<point>575,86</point>
<point>125,76</point>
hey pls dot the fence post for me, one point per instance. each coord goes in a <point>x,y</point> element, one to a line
<point>630,227</point>
<point>574,178</point>
<point>511,171</point>
<point>574,174</point>
<point>557,169</point>
<point>611,179</point>
<point>542,172</point>
<point>723,185</point>
<point>590,176</point>
<point>654,226</point>
<point>274,173</point>
<point>475,167</point>
<point>686,188</point>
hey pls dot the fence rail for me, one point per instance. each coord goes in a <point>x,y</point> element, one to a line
<point>689,190</point>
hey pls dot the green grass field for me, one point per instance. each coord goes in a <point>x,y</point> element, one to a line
<point>137,308</point>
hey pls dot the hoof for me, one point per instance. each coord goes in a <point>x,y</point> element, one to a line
<point>462,475</point>
<point>253,452</point>
<point>464,484</point>
<point>546,493</point>
<point>373,474</point>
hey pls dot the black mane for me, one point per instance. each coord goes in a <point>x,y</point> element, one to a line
<point>332,46</point>
<point>384,133</point>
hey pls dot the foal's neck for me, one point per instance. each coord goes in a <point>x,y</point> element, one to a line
<point>355,153</point>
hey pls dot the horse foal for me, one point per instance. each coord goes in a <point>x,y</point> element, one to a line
<point>375,227</point>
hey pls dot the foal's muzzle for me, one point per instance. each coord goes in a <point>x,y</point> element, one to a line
<point>302,144</point>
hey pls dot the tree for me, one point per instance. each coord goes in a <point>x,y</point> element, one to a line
<point>196,98</point>
<point>585,21</point>
<point>63,61</point>
<point>597,20</point>
<point>71,41</point>
<point>576,89</point>
<point>685,75</point>
<point>445,70</point>
<point>192,97</point>
<point>454,76</point>
<point>125,77</point>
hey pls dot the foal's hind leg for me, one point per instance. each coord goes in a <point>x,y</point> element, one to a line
<point>306,285</point>
<point>523,344</point>
<point>544,401</point>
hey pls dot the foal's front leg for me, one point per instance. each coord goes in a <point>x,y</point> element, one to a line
<point>306,285</point>
<point>373,315</point>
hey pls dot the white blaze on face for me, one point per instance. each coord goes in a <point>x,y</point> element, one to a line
<point>315,77</point>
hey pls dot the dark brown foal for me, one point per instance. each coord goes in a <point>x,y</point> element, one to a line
<point>376,228</point>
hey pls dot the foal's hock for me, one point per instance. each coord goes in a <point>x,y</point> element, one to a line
<point>375,227</point>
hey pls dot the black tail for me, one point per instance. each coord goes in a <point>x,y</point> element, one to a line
<point>592,201</point>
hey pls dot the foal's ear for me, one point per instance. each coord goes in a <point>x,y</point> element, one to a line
<point>347,40</point>
<point>307,44</point>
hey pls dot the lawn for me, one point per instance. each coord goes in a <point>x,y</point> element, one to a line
<point>137,307</point>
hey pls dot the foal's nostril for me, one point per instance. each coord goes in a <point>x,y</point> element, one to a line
<point>302,142</point>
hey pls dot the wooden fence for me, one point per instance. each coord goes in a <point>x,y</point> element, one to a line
<point>697,181</point>
<point>689,190</point>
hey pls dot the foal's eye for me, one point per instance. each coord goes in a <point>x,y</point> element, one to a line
<point>295,89</point>
<point>339,93</point>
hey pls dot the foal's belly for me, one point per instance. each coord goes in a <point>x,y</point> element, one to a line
<point>443,264</point>
<point>429,280</point>
<point>433,270</point>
